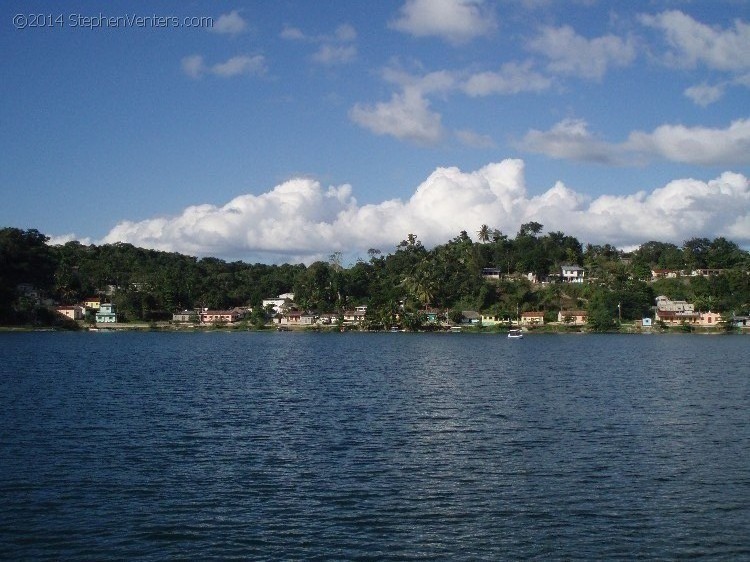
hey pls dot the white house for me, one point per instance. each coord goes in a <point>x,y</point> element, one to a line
<point>279,302</point>
<point>572,274</point>
<point>72,312</point>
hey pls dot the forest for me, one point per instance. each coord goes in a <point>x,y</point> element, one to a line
<point>149,285</point>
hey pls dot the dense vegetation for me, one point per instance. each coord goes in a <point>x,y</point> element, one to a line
<point>150,285</point>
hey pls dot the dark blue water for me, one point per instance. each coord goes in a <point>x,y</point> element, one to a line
<point>373,446</point>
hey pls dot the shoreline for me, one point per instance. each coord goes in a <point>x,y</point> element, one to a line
<point>489,330</point>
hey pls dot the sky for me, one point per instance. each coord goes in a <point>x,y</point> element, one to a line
<point>284,131</point>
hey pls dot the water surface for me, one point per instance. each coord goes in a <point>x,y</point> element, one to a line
<point>373,446</point>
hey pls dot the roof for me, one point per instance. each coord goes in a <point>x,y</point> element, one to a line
<point>532,314</point>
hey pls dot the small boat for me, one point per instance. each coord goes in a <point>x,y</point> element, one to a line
<point>515,334</point>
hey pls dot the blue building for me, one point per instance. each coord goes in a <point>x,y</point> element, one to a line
<point>106,313</point>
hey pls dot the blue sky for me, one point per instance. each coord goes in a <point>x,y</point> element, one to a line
<point>288,130</point>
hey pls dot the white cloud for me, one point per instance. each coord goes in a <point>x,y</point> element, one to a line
<point>456,21</point>
<point>696,145</point>
<point>336,48</point>
<point>195,66</point>
<point>704,94</point>
<point>302,220</point>
<point>571,140</point>
<point>252,65</point>
<point>69,237</point>
<point>432,82</point>
<point>335,54</point>
<point>572,54</point>
<point>512,78</point>
<point>292,33</point>
<point>694,43</point>
<point>229,24</point>
<point>406,117</point>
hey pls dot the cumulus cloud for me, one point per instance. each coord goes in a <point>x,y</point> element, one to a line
<point>456,21</point>
<point>229,24</point>
<point>571,54</point>
<point>335,48</point>
<point>68,237</point>
<point>302,220</point>
<point>335,54</point>
<point>704,94</point>
<point>571,140</point>
<point>407,116</point>
<point>693,42</point>
<point>195,66</point>
<point>512,78</point>
<point>696,145</point>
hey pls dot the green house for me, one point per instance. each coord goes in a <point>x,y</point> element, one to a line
<point>106,313</point>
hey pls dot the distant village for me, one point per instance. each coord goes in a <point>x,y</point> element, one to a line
<point>532,282</point>
<point>283,313</point>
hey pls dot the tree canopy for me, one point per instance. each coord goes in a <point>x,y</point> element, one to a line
<point>150,284</point>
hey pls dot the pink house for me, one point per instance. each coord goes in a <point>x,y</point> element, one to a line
<point>532,318</point>
<point>709,318</point>
<point>225,316</point>
<point>572,317</point>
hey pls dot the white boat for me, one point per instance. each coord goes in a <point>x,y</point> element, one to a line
<point>515,334</point>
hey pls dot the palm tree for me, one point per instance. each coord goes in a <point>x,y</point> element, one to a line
<point>484,233</point>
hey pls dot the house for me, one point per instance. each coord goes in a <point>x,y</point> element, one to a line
<point>219,316</point>
<point>328,318</point>
<point>665,304</point>
<point>290,318</point>
<point>73,312</point>
<point>572,274</point>
<point>675,312</point>
<point>491,273</point>
<point>646,322</point>
<point>492,320</point>
<point>434,316</point>
<point>106,313</point>
<point>741,321</point>
<point>185,316</point>
<point>356,316</point>
<point>709,319</point>
<point>278,304</point>
<point>573,317</point>
<point>92,302</point>
<point>664,274</point>
<point>706,272</point>
<point>532,318</point>
<point>470,317</point>
<point>307,319</point>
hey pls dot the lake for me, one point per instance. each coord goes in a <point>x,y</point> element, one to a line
<point>373,446</point>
